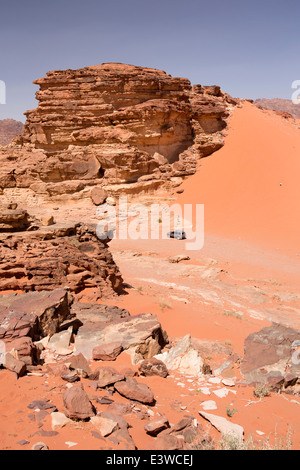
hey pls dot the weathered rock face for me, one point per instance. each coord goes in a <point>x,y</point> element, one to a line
<point>140,335</point>
<point>133,390</point>
<point>56,256</point>
<point>13,220</point>
<point>36,314</point>
<point>113,124</point>
<point>77,403</point>
<point>9,128</point>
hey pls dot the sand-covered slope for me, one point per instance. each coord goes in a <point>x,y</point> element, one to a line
<point>250,187</point>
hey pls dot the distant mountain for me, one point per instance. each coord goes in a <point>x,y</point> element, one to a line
<point>281,105</point>
<point>9,128</point>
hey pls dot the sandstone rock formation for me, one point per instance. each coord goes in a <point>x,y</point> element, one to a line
<point>140,335</point>
<point>108,376</point>
<point>114,124</point>
<point>95,314</point>
<point>183,357</point>
<point>9,128</point>
<point>45,258</point>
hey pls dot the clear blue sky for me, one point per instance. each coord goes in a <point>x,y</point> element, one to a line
<point>250,48</point>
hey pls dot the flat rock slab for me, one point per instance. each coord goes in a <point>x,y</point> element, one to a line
<point>209,405</point>
<point>155,426</point>
<point>224,426</point>
<point>108,376</point>
<point>141,335</point>
<point>60,342</point>
<point>42,405</point>
<point>107,352</point>
<point>133,390</point>
<point>97,313</point>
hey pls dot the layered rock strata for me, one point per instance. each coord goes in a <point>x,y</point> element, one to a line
<point>114,124</point>
<point>45,258</point>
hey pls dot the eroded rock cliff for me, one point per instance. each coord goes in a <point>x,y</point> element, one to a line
<point>34,257</point>
<point>114,124</point>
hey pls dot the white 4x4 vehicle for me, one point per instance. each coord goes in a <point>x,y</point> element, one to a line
<point>178,234</point>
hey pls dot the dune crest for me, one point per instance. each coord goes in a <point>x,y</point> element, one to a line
<point>250,187</point>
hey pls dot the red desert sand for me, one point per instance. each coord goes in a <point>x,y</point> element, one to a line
<point>250,188</point>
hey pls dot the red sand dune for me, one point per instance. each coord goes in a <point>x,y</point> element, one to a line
<point>251,187</point>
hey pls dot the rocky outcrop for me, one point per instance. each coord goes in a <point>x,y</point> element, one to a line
<point>9,128</point>
<point>45,258</point>
<point>114,124</point>
<point>13,220</point>
<point>140,335</point>
<point>226,428</point>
